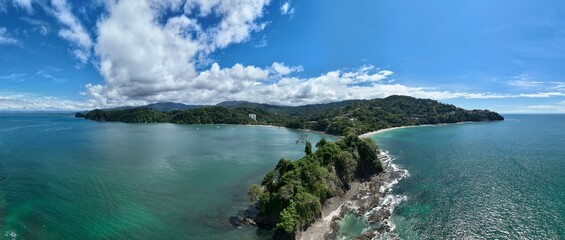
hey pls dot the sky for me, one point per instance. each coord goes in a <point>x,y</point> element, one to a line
<point>503,55</point>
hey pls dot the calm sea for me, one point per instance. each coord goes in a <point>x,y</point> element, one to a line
<point>68,178</point>
<point>492,180</point>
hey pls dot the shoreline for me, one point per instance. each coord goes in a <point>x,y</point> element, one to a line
<point>369,134</point>
<point>370,200</point>
<point>296,129</point>
<point>332,209</point>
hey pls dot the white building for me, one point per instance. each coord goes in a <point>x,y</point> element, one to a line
<point>253,116</point>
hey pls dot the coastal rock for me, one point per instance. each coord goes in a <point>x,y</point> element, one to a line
<point>384,228</point>
<point>249,221</point>
<point>366,236</point>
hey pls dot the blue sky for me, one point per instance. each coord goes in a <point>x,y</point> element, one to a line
<point>502,55</point>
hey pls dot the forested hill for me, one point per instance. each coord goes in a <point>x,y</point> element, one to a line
<point>339,118</point>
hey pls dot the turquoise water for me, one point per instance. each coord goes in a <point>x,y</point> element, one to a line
<point>495,180</point>
<point>68,178</point>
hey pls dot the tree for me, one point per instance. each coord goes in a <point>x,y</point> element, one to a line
<point>303,138</point>
<point>254,193</point>
<point>308,148</point>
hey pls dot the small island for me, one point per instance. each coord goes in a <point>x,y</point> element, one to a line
<point>295,194</point>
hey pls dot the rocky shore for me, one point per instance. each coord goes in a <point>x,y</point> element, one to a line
<point>368,200</point>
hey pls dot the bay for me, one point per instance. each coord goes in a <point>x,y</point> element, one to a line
<point>68,178</point>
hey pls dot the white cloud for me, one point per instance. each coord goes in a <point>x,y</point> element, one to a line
<point>263,42</point>
<point>24,102</point>
<point>541,95</point>
<point>146,55</point>
<point>7,39</point>
<point>14,76</point>
<point>558,107</point>
<point>139,59</point>
<point>73,31</point>
<point>23,4</point>
<point>39,26</point>
<point>239,21</point>
<point>287,9</point>
<point>281,69</point>
<point>153,58</point>
<point>49,73</point>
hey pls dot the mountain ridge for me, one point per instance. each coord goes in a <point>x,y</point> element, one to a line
<point>338,118</point>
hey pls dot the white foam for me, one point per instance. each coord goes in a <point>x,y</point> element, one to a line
<point>390,200</point>
<point>29,126</point>
<point>11,234</point>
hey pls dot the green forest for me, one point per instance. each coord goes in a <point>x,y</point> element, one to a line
<point>291,196</point>
<point>338,118</point>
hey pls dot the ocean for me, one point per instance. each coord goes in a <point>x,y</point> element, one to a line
<point>67,178</point>
<point>488,180</point>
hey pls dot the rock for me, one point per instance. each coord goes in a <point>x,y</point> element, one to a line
<point>236,221</point>
<point>249,221</point>
<point>384,228</point>
<point>366,236</point>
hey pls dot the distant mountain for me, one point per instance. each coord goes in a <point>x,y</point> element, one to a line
<point>240,104</point>
<point>169,106</point>
<point>340,118</point>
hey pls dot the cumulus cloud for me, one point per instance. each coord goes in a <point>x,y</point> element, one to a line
<point>139,59</point>
<point>6,38</point>
<point>153,58</point>
<point>150,51</point>
<point>238,19</point>
<point>72,30</point>
<point>273,85</point>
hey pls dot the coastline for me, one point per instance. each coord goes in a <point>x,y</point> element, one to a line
<point>369,134</point>
<point>322,227</point>
<point>297,129</point>
<point>370,200</point>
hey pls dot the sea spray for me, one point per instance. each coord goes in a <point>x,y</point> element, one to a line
<point>368,213</point>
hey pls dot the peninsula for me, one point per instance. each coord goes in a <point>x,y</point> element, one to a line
<point>337,118</point>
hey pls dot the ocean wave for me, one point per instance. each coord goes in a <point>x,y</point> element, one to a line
<point>29,126</point>
<point>388,203</point>
<point>11,235</point>
<point>374,207</point>
<point>54,129</point>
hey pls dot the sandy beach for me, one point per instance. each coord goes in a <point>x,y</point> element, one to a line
<point>412,126</point>
<point>385,130</point>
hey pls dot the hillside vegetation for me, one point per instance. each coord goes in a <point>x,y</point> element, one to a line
<point>291,196</point>
<point>338,118</point>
